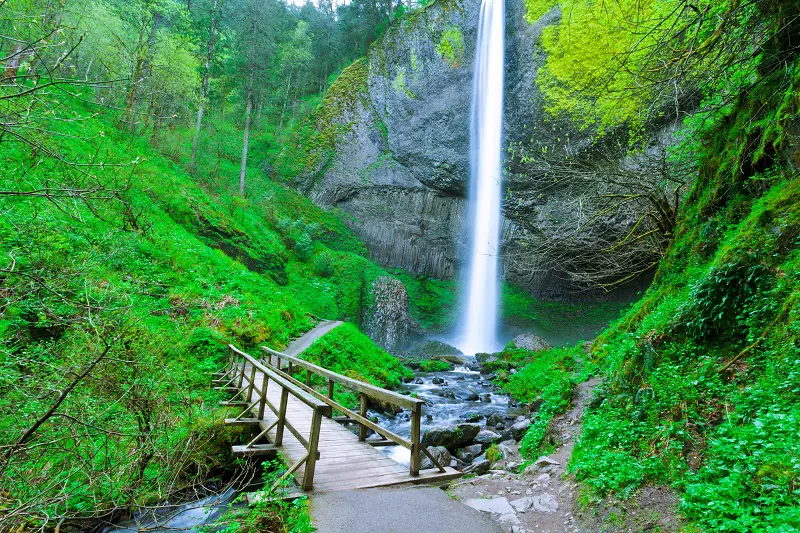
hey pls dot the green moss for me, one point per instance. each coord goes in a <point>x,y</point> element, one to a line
<point>435,365</point>
<point>451,46</point>
<point>399,84</point>
<point>313,146</point>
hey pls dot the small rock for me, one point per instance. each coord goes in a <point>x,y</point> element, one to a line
<point>518,430</point>
<point>523,504</point>
<point>478,467</point>
<point>509,518</point>
<point>486,438</point>
<point>438,381</point>
<point>491,505</point>
<point>542,464</point>
<point>545,503</point>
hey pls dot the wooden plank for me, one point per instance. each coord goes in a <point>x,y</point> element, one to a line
<point>255,450</point>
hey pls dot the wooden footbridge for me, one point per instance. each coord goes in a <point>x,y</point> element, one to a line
<point>290,404</point>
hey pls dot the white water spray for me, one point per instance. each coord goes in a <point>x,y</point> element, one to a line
<point>479,324</point>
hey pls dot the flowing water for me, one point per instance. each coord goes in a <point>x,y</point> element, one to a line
<point>450,398</point>
<point>478,331</point>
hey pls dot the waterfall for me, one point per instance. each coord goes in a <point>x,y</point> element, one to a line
<point>479,322</point>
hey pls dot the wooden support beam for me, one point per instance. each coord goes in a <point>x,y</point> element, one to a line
<point>234,404</point>
<point>242,421</point>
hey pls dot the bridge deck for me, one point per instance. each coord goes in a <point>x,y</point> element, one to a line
<point>344,461</point>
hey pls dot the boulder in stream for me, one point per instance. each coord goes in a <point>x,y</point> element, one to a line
<point>449,436</point>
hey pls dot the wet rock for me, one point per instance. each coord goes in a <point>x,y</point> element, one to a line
<point>472,416</point>
<point>466,395</point>
<point>486,398</point>
<point>474,449</point>
<point>518,429</point>
<point>439,453</point>
<point>530,341</point>
<point>465,455</point>
<point>486,438</point>
<point>494,419</point>
<point>490,505</point>
<point>449,436</point>
<point>438,381</point>
<point>418,381</point>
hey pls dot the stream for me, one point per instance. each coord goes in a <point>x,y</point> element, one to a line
<point>456,396</point>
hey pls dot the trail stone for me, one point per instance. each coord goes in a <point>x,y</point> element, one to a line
<point>545,503</point>
<point>478,467</point>
<point>490,505</point>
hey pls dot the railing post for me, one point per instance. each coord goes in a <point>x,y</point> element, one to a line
<point>416,415</point>
<point>331,385</point>
<point>290,368</point>
<point>362,431</point>
<point>308,378</point>
<point>241,374</point>
<point>269,358</point>
<point>313,445</point>
<point>281,417</point>
<point>262,405</point>
<point>251,384</point>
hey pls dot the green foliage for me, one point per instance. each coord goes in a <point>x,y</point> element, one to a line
<point>493,454</point>
<point>702,373</point>
<point>546,378</point>
<point>272,510</point>
<point>435,365</point>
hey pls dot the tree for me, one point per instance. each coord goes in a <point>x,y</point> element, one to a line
<point>212,34</point>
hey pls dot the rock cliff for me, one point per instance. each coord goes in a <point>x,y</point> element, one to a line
<point>389,145</point>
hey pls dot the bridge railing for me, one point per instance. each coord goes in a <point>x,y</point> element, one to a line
<point>243,370</point>
<point>366,392</point>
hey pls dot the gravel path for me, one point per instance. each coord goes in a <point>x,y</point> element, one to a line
<point>396,510</point>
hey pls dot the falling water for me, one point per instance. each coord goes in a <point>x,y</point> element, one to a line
<point>479,324</point>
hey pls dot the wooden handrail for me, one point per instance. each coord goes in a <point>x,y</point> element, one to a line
<point>370,390</point>
<point>239,362</point>
<point>366,391</point>
<point>294,391</point>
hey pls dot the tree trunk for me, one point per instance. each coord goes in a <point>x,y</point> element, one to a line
<point>204,88</point>
<point>243,170</point>
<point>286,97</point>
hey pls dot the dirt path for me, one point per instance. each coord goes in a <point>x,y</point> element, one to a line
<point>542,500</point>
<point>300,344</point>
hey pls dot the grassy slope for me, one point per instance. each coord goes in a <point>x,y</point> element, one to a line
<point>187,268</point>
<point>702,376</point>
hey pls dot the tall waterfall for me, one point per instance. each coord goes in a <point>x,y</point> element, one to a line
<point>479,323</point>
